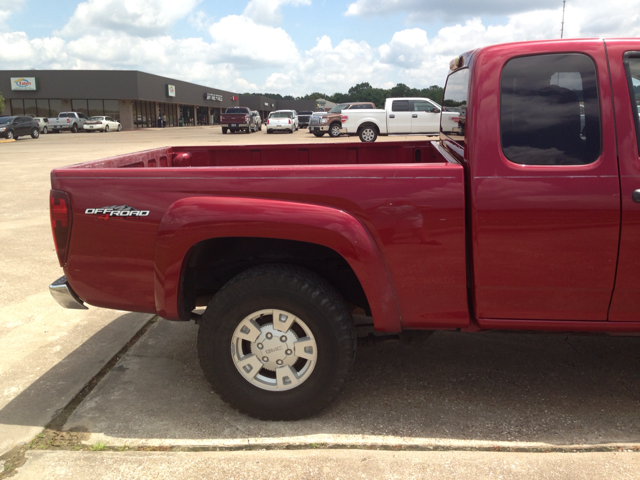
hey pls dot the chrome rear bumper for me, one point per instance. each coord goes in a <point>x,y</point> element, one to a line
<point>65,296</point>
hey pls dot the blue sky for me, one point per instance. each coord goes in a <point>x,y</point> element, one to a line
<point>287,46</point>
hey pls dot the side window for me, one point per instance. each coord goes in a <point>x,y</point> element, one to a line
<point>367,107</point>
<point>400,106</point>
<point>549,110</point>
<point>632,64</point>
<point>456,92</point>
<point>422,106</point>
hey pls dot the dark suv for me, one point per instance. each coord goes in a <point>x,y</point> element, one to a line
<point>14,127</point>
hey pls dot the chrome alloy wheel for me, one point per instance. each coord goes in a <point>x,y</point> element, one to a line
<point>368,134</point>
<point>274,350</point>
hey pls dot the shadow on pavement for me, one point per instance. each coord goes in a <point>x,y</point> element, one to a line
<point>52,391</point>
<point>506,387</point>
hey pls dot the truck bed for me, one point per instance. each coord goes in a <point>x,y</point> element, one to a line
<point>272,155</point>
<point>407,196</point>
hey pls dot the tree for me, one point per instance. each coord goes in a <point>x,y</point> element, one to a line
<point>2,103</point>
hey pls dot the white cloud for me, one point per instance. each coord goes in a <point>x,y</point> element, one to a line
<point>267,58</point>
<point>428,10</point>
<point>269,12</point>
<point>261,46</point>
<point>329,69</point>
<point>144,18</point>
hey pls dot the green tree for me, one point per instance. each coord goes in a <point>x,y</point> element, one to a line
<point>1,103</point>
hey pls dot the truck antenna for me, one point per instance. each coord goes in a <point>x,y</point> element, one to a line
<point>562,27</point>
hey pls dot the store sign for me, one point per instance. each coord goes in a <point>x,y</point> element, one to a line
<point>25,84</point>
<point>171,90</point>
<point>213,96</point>
<point>234,98</point>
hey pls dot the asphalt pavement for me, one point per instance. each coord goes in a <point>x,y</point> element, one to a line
<point>123,396</point>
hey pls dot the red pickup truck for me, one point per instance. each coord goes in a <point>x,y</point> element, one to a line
<point>237,119</point>
<point>528,218</point>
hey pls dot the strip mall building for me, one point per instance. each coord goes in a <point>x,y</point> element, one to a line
<point>135,99</point>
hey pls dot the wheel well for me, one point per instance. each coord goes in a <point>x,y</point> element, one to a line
<point>210,264</point>
<point>369,124</point>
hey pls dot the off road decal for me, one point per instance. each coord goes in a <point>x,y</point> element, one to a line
<point>122,211</point>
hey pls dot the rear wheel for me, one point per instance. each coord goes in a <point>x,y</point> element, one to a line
<point>334,130</point>
<point>224,130</point>
<point>368,134</point>
<point>74,128</point>
<point>277,342</point>
<point>44,130</point>
<point>35,132</point>
<point>106,129</point>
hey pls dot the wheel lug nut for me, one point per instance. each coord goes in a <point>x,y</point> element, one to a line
<point>265,359</point>
<point>279,362</point>
<point>269,336</point>
<point>260,346</point>
<point>288,351</point>
<point>283,338</point>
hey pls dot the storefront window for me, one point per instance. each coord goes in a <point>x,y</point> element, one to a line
<point>95,108</point>
<point>55,107</point>
<point>111,109</point>
<point>80,106</point>
<point>42,108</point>
<point>30,107</point>
<point>17,106</point>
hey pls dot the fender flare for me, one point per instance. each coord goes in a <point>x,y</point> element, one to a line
<point>192,220</point>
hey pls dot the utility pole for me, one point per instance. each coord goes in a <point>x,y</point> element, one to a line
<point>562,27</point>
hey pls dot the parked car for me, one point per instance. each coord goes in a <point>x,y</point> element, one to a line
<point>331,122</point>
<point>43,123</point>
<point>238,119</point>
<point>293,115</point>
<point>303,118</point>
<point>102,124</point>
<point>13,127</point>
<point>72,121</point>
<point>257,119</point>
<point>281,121</point>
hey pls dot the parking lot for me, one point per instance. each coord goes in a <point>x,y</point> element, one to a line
<point>458,405</point>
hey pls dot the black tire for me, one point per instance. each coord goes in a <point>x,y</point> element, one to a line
<point>318,134</point>
<point>11,135</point>
<point>334,130</point>
<point>368,134</point>
<point>44,130</point>
<point>224,130</point>
<point>106,129</point>
<point>305,295</point>
<point>269,131</point>
<point>35,133</point>
<point>74,128</point>
<point>119,127</point>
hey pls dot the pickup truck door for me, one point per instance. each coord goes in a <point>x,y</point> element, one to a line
<point>545,192</point>
<point>425,117</point>
<point>399,118</point>
<point>624,59</point>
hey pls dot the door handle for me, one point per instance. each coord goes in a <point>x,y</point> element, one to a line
<point>392,116</point>
<point>636,196</point>
<point>415,115</point>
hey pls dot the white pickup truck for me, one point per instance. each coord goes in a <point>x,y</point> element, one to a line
<point>72,121</point>
<point>401,116</point>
